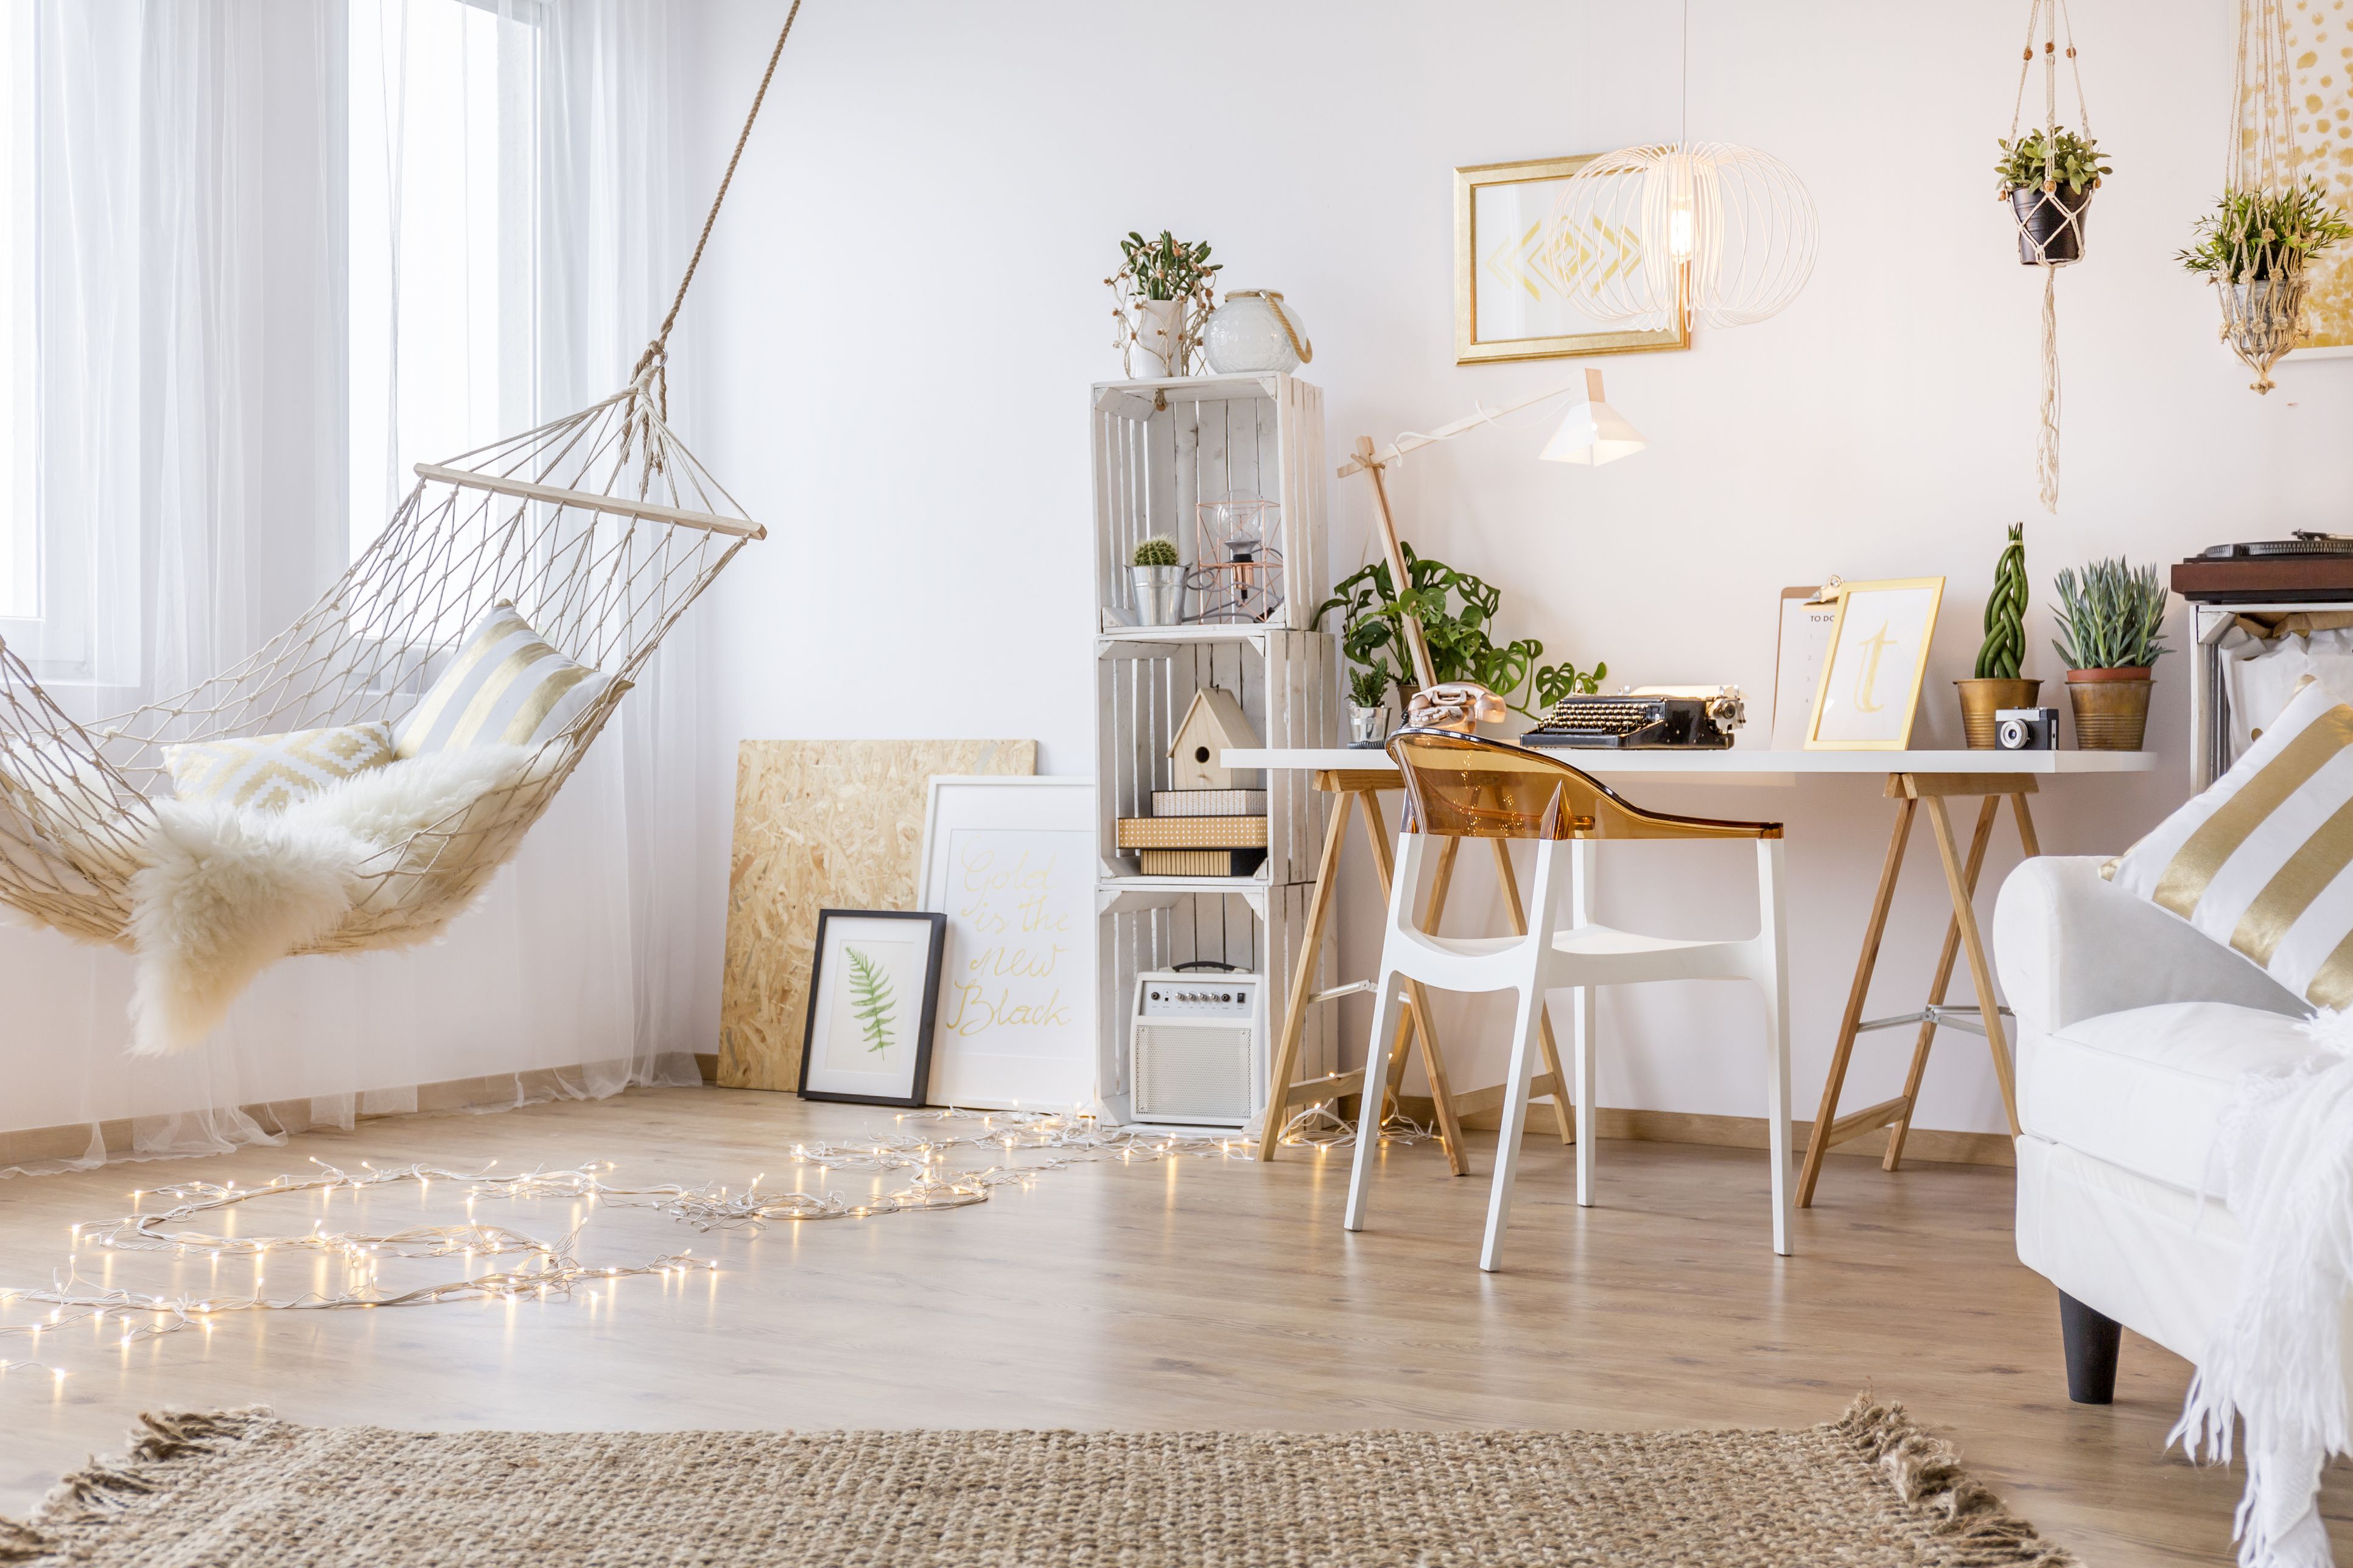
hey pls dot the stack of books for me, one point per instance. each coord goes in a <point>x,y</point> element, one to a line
<point>1199,832</point>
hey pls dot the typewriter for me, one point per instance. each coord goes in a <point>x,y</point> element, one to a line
<point>1646,716</point>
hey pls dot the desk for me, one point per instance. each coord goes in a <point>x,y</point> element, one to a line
<point>1912,779</point>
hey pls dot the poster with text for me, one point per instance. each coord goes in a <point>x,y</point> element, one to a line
<point>1010,862</point>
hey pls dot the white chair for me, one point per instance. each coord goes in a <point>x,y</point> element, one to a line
<point>1460,786</point>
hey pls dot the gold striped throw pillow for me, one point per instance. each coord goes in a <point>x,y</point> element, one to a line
<point>504,687</point>
<point>2259,861</point>
<point>272,771</point>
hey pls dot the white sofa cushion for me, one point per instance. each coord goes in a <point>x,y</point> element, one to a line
<point>2143,1089</point>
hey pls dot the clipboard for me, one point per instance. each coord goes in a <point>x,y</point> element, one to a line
<point>1809,613</point>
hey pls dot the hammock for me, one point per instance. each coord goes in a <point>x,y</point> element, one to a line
<point>599,527</point>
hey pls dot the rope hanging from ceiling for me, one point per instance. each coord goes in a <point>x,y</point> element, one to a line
<point>2262,291</point>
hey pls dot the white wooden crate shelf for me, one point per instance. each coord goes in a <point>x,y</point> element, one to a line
<point>1163,447</point>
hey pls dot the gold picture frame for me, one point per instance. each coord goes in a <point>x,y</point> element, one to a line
<point>1852,706</point>
<point>1514,198</point>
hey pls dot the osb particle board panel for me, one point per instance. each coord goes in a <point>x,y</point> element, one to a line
<point>819,824</point>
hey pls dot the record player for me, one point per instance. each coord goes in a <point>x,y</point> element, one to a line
<point>2310,566</point>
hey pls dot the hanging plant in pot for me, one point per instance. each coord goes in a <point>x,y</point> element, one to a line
<point>2048,177</point>
<point>1998,684</point>
<point>1161,295</point>
<point>2109,620</point>
<point>2256,248</point>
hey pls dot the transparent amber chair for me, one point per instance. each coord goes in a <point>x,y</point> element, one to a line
<point>1459,787</point>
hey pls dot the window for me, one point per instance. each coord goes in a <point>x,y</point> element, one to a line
<point>443,98</point>
<point>20,598</point>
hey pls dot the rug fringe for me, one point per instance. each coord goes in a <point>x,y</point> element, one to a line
<point>1969,1517</point>
<point>103,1488</point>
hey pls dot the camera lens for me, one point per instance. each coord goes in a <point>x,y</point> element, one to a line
<point>2012,734</point>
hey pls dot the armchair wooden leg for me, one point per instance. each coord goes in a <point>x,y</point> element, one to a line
<point>2092,1341</point>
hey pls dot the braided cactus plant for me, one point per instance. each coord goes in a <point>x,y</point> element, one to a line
<point>2004,649</point>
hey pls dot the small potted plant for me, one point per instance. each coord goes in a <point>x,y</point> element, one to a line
<point>2255,248</point>
<point>1165,283</point>
<point>2048,181</point>
<point>1158,575</point>
<point>1998,684</point>
<point>2108,625</point>
<point>1368,712</point>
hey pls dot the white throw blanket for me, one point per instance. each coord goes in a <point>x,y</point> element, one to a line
<point>227,891</point>
<point>2277,1362</point>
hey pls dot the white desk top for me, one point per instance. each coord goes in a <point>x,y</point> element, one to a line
<point>1740,762</point>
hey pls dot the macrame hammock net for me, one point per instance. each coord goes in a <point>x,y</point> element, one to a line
<point>599,527</point>
<point>2050,217</point>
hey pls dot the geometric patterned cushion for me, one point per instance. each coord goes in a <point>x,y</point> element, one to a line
<point>271,773</point>
<point>504,686</point>
<point>2263,860</point>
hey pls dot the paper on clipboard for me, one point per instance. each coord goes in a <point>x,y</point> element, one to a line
<point>1808,613</point>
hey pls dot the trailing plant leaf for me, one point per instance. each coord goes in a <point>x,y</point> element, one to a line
<point>2110,618</point>
<point>870,999</point>
<point>2257,234</point>
<point>2004,652</point>
<point>2033,163</point>
<point>1158,551</point>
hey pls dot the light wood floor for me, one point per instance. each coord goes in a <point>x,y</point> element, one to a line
<point>1194,1294</point>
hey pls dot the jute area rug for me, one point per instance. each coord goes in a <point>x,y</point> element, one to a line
<point>243,1490</point>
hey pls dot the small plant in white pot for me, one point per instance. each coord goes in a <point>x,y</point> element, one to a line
<point>1161,296</point>
<point>2109,620</point>
<point>1158,575</point>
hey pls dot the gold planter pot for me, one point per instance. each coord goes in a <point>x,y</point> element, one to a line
<point>1980,699</point>
<point>2111,707</point>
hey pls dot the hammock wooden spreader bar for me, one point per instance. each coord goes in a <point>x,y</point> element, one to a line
<point>603,505</point>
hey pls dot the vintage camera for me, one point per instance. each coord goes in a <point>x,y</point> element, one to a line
<point>2026,728</point>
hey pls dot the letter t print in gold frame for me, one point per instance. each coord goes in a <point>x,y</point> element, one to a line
<point>1879,653</point>
<point>1510,269</point>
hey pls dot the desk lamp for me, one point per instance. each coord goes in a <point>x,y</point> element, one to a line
<point>1592,433</point>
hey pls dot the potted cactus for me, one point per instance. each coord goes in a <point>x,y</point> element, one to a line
<point>2048,181</point>
<point>1158,575</point>
<point>2109,619</point>
<point>1997,683</point>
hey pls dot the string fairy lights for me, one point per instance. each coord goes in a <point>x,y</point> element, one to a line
<point>547,1271</point>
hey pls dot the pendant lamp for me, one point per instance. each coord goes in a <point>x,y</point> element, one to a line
<point>1657,237</point>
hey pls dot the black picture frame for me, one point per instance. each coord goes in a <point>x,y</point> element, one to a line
<point>920,1078</point>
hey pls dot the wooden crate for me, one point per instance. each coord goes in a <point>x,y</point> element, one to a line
<point>1162,446</point>
<point>1259,930</point>
<point>1288,683</point>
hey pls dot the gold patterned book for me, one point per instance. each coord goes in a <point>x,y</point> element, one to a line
<point>1200,862</point>
<point>1208,803</point>
<point>1192,832</point>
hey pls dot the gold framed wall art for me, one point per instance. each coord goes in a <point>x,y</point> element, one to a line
<point>1878,655</point>
<point>1509,298</point>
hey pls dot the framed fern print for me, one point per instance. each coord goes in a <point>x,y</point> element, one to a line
<point>874,985</point>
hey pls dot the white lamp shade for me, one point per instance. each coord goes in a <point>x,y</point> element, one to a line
<point>1593,433</point>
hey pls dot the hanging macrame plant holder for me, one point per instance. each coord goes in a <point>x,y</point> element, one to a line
<point>600,528</point>
<point>2262,289</point>
<point>2050,216</point>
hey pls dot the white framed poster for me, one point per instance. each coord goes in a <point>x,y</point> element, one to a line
<point>1010,862</point>
<point>873,982</point>
<point>1879,653</point>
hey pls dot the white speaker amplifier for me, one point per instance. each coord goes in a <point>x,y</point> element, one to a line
<point>1197,1046</point>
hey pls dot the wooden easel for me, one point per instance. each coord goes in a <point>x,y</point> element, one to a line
<point>1961,935</point>
<point>1362,789</point>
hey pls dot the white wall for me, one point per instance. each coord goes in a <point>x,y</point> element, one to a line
<point>902,310</point>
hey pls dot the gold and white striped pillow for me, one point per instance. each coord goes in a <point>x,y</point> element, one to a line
<point>271,773</point>
<point>2260,861</point>
<point>504,687</point>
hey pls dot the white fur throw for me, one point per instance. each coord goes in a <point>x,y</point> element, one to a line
<point>226,892</point>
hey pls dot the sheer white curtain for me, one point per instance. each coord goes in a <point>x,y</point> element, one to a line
<point>248,325</point>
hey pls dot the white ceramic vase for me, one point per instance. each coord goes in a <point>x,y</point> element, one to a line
<point>1159,339</point>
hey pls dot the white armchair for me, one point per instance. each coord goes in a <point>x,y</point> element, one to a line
<point>2133,1032</point>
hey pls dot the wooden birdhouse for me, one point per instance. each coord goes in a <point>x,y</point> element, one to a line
<point>1214,722</point>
